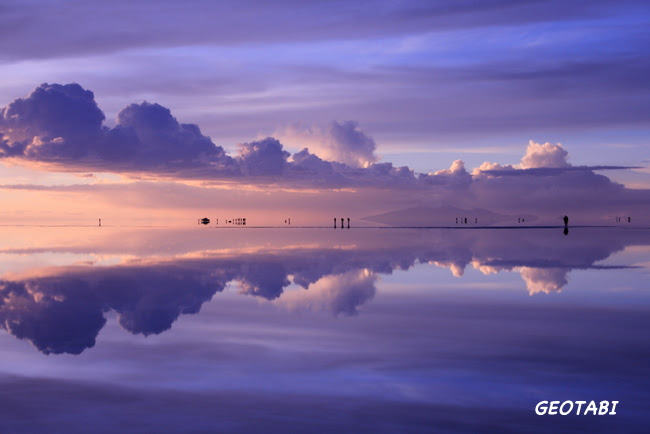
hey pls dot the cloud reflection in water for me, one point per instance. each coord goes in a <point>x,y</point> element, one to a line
<point>62,309</point>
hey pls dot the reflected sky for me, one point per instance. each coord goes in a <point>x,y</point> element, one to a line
<point>316,329</point>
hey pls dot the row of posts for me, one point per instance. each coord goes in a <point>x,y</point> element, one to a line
<point>342,224</point>
<point>236,221</point>
<point>463,220</point>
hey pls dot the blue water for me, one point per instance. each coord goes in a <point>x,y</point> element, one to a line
<point>322,330</point>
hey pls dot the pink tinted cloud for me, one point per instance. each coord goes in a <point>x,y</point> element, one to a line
<point>344,142</point>
<point>60,126</point>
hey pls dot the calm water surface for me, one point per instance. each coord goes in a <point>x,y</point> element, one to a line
<point>321,330</point>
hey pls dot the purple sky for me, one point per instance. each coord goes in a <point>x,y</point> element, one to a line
<point>414,84</point>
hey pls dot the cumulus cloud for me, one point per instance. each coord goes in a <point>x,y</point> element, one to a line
<point>544,155</point>
<point>55,315</point>
<point>263,279</point>
<point>343,142</point>
<point>61,309</point>
<point>544,280</point>
<point>338,294</point>
<point>264,157</point>
<point>488,167</point>
<point>537,156</point>
<point>455,176</point>
<point>457,269</point>
<point>60,126</point>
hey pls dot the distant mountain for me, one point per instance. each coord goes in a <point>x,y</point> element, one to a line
<point>446,216</point>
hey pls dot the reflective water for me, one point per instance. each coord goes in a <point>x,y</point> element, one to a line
<point>379,330</point>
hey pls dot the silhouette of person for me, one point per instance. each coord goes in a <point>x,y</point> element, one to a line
<point>566,230</point>
<point>342,223</point>
<point>348,222</point>
<point>334,222</point>
<point>629,219</point>
<point>566,220</point>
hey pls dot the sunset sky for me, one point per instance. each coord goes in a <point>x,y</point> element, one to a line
<point>517,107</point>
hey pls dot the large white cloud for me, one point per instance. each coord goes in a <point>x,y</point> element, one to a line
<point>544,155</point>
<point>343,142</point>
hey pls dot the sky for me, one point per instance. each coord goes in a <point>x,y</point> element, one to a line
<point>143,112</point>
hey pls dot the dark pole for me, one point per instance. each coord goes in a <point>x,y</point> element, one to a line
<point>334,222</point>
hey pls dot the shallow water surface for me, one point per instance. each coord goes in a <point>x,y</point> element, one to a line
<point>380,330</point>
